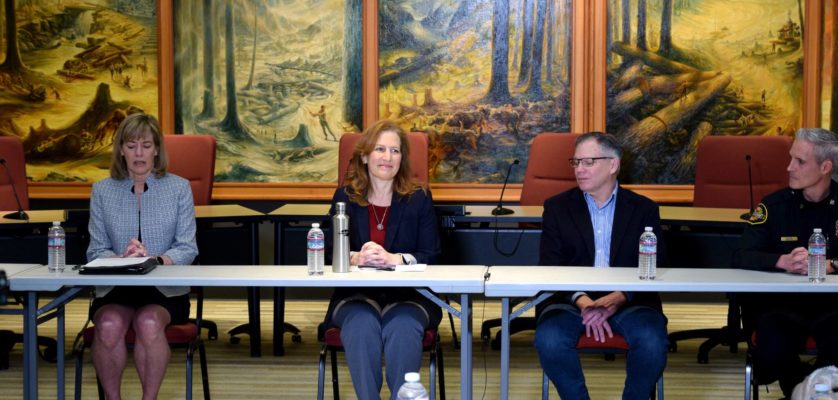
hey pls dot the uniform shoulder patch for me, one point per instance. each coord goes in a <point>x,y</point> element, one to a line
<point>759,216</point>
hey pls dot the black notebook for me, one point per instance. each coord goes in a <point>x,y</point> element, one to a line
<point>119,266</point>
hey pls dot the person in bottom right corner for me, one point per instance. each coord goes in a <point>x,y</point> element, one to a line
<point>776,239</point>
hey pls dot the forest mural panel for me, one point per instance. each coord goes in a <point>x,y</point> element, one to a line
<point>480,77</point>
<point>71,72</point>
<point>679,70</point>
<point>275,81</point>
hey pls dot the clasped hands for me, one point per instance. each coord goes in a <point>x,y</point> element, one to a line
<point>797,262</point>
<point>374,254</point>
<point>595,314</point>
<point>135,249</point>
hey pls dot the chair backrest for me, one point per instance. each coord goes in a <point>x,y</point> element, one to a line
<point>193,157</point>
<point>721,172</point>
<point>418,155</point>
<point>11,151</point>
<point>548,172</point>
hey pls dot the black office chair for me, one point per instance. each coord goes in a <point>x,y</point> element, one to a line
<point>47,347</point>
<point>14,194</point>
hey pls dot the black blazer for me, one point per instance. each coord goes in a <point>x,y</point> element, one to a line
<point>567,238</point>
<point>411,228</point>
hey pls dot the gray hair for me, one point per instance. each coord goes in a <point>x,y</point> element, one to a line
<point>824,141</point>
<point>607,141</point>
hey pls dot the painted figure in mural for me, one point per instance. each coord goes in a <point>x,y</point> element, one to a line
<point>393,223</point>
<point>321,116</point>
<point>139,185</point>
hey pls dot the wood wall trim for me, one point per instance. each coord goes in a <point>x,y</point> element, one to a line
<point>166,66</point>
<point>319,192</point>
<point>369,65</point>
<point>812,61</point>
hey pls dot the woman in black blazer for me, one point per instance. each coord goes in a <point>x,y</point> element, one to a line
<point>392,221</point>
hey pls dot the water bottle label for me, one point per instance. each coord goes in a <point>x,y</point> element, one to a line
<point>55,241</point>
<point>648,248</point>
<point>817,250</point>
<point>316,244</point>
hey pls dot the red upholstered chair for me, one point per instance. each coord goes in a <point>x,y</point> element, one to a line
<point>721,172</point>
<point>11,151</point>
<point>811,349</point>
<point>611,347</point>
<point>548,172</point>
<point>187,335</point>
<point>721,181</point>
<point>332,345</point>
<point>193,157</point>
<point>418,155</point>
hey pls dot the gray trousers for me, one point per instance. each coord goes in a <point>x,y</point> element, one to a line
<point>366,334</point>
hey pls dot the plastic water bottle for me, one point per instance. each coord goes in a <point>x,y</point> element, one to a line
<point>412,389</point>
<point>56,249</point>
<point>817,257</point>
<point>822,392</point>
<point>647,263</point>
<point>315,247</point>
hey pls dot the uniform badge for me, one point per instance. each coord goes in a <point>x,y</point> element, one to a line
<point>760,215</point>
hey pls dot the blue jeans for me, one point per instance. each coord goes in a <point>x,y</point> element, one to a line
<point>644,329</point>
<point>365,334</point>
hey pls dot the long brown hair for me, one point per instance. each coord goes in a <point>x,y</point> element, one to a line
<point>133,127</point>
<point>357,175</point>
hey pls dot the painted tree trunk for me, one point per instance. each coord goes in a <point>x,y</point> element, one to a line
<point>499,84</point>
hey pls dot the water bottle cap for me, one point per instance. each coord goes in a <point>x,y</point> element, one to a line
<point>340,207</point>
<point>411,377</point>
<point>822,387</point>
<point>648,229</point>
<point>56,223</point>
<point>818,230</point>
<point>315,225</point>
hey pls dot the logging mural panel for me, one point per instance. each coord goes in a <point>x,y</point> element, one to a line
<point>72,71</point>
<point>679,70</point>
<point>480,77</point>
<point>276,82</point>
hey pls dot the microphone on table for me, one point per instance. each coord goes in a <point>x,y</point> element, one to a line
<point>19,214</point>
<point>747,216</point>
<point>499,210</point>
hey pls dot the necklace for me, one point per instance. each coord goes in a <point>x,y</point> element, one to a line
<point>380,225</point>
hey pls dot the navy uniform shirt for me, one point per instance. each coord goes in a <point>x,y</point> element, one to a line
<point>783,221</point>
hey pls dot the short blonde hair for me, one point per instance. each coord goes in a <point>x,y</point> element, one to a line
<point>133,127</point>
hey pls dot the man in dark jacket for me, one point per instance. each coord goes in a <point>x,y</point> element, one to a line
<point>599,224</point>
<point>776,240</point>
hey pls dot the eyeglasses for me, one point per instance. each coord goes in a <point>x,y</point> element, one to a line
<point>586,162</point>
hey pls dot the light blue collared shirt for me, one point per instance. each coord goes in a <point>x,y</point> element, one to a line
<point>602,219</point>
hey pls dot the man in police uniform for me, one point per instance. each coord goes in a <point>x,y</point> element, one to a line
<point>776,240</point>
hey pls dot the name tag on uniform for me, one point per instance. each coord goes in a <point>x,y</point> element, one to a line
<point>788,238</point>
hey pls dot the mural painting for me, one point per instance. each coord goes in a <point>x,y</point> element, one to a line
<point>480,77</point>
<point>71,72</point>
<point>679,70</point>
<point>276,82</point>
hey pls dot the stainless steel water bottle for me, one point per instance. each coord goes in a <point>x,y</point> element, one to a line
<point>340,236</point>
